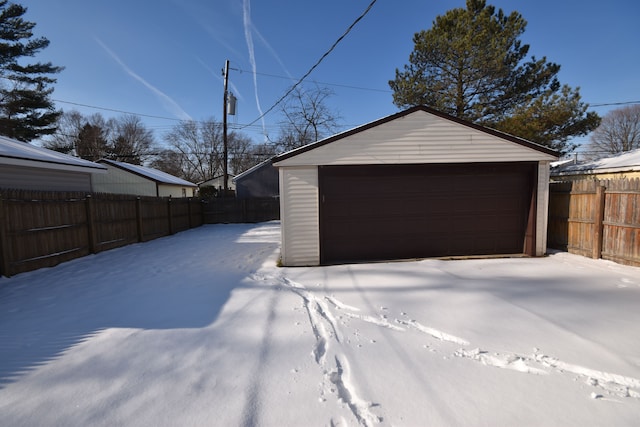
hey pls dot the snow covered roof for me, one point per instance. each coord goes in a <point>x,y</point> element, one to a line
<point>13,152</point>
<point>150,173</point>
<point>627,162</point>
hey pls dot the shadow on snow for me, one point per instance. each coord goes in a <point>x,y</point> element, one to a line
<point>176,282</point>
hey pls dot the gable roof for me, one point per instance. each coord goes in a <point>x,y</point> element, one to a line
<point>626,162</point>
<point>149,173</point>
<point>380,123</point>
<point>17,153</point>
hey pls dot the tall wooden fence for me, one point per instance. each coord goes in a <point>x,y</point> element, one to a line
<point>232,210</point>
<point>43,229</point>
<point>598,219</point>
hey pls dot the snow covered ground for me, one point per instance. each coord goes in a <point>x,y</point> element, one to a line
<point>203,329</point>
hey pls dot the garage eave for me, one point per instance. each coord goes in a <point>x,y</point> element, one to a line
<point>435,124</point>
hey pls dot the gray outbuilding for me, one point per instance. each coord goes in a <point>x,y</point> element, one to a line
<point>260,181</point>
<point>25,166</point>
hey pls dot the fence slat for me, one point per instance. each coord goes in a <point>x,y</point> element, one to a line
<point>598,227</point>
<point>91,227</point>
<point>4,243</point>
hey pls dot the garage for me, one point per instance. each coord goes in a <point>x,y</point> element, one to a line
<point>378,212</point>
<point>416,184</point>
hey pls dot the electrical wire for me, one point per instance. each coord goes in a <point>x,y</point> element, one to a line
<point>117,111</point>
<point>608,104</point>
<point>322,83</point>
<point>282,98</point>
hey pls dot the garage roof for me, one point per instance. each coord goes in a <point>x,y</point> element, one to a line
<point>625,162</point>
<point>17,153</point>
<point>149,173</point>
<point>417,135</point>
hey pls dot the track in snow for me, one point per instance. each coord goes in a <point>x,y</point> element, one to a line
<point>337,378</point>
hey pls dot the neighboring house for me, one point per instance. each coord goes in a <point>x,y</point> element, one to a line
<point>218,182</point>
<point>415,184</point>
<point>625,165</point>
<point>27,167</point>
<point>125,178</point>
<point>258,182</point>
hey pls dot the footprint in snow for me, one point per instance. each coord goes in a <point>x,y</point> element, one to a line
<point>510,361</point>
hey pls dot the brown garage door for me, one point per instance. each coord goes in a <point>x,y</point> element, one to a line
<point>380,212</point>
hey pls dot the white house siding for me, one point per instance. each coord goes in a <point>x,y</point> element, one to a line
<point>118,181</point>
<point>165,190</point>
<point>542,208</point>
<point>300,219</point>
<point>218,182</point>
<point>419,137</point>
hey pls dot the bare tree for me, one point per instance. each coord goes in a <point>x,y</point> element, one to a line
<point>618,132</point>
<point>69,126</point>
<point>169,161</point>
<point>307,118</point>
<point>131,141</point>
<point>124,138</point>
<point>200,146</point>
<point>242,153</point>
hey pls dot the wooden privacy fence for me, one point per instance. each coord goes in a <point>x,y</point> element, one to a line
<point>598,219</point>
<point>43,229</point>
<point>231,210</point>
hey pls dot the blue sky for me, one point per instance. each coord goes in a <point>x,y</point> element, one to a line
<point>163,59</point>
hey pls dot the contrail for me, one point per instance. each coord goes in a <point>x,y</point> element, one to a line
<point>273,52</point>
<point>169,103</point>
<point>246,18</point>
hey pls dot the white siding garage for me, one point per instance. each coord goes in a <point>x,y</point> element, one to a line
<point>125,178</point>
<point>415,184</point>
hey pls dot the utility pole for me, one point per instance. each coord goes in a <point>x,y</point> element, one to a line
<point>224,129</point>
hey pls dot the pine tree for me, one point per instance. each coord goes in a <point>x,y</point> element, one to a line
<point>26,109</point>
<point>471,64</point>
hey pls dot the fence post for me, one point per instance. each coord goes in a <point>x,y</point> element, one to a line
<point>598,222</point>
<point>139,219</point>
<point>5,254</point>
<point>169,215</point>
<point>91,226</point>
<point>189,212</point>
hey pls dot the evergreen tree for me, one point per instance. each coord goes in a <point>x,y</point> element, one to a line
<point>26,110</point>
<point>471,64</point>
<point>92,143</point>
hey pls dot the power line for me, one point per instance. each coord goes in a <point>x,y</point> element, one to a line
<point>614,103</point>
<point>114,110</point>
<point>317,63</point>
<point>117,111</point>
<point>322,83</point>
